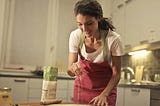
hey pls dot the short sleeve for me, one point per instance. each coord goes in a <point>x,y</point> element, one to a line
<point>74,41</point>
<point>117,47</point>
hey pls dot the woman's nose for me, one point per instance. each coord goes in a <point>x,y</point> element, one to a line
<point>84,27</point>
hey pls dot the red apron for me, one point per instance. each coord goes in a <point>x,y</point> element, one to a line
<point>94,79</point>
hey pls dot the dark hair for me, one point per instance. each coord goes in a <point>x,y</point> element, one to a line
<point>93,8</point>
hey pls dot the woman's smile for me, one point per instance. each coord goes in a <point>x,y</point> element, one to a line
<point>87,24</point>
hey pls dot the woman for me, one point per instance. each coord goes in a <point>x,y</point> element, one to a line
<point>95,52</point>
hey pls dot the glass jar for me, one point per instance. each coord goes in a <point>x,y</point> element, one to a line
<point>5,96</point>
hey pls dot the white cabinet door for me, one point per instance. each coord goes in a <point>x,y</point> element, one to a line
<point>137,97</point>
<point>62,87</point>
<point>35,32</point>
<point>119,19</point>
<point>65,89</point>
<point>150,20</point>
<point>132,23</point>
<point>120,96</point>
<point>19,87</point>
<point>35,89</point>
<point>70,90</point>
<point>30,40</point>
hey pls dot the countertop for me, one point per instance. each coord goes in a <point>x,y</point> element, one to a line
<point>29,74</point>
<point>61,104</point>
<point>140,85</point>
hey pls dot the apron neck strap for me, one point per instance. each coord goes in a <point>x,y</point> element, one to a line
<point>82,38</point>
<point>104,45</point>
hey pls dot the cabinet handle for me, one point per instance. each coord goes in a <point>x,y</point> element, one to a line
<point>120,6</point>
<point>127,1</point>
<point>155,98</point>
<point>19,80</point>
<point>135,90</point>
<point>144,42</point>
<point>127,46</point>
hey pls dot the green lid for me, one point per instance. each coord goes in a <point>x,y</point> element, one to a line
<point>50,73</point>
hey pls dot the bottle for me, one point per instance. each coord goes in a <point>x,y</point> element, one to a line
<point>128,77</point>
<point>5,96</point>
<point>49,84</point>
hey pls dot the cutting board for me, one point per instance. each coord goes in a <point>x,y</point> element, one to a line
<point>139,73</point>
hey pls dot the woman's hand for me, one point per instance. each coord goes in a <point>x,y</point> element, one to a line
<point>99,101</point>
<point>76,68</point>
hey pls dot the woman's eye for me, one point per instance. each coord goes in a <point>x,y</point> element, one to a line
<point>89,23</point>
<point>79,24</point>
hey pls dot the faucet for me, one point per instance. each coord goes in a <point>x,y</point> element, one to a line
<point>129,69</point>
<point>130,76</point>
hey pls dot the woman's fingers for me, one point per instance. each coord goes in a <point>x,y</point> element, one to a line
<point>76,69</point>
<point>95,101</point>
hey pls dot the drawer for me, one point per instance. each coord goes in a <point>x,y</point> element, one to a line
<point>35,83</point>
<point>34,93</point>
<point>71,84</point>
<point>155,94</point>
<point>61,94</point>
<point>155,102</point>
<point>33,99</point>
<point>62,84</point>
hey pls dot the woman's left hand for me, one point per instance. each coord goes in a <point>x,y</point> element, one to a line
<point>99,101</point>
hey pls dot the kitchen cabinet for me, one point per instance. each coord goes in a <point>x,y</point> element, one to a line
<point>131,96</point>
<point>118,14</point>
<point>124,19</point>
<point>120,96</point>
<point>34,89</point>
<point>70,90</point>
<point>132,25</point>
<point>23,89</point>
<point>27,22</point>
<point>106,5</point>
<point>19,87</point>
<point>150,19</point>
<point>141,21</point>
<point>136,97</point>
<point>61,92</point>
<point>35,31</point>
<point>2,14</point>
<point>155,97</point>
<point>65,89</point>
<point>136,21</point>
<point>30,89</point>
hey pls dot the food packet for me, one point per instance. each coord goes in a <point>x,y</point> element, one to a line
<point>49,84</point>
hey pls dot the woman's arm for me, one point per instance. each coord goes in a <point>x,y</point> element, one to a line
<point>73,65</point>
<point>116,67</point>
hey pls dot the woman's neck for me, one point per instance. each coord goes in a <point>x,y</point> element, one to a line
<point>94,38</point>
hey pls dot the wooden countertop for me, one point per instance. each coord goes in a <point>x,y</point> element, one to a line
<point>29,104</point>
<point>60,104</point>
<point>36,103</point>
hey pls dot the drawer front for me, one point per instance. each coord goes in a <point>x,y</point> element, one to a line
<point>155,102</point>
<point>62,84</point>
<point>35,93</point>
<point>35,83</point>
<point>155,94</point>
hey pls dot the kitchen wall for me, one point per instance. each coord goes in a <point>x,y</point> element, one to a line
<point>36,32</point>
<point>151,62</point>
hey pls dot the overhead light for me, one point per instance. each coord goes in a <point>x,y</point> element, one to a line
<point>139,53</point>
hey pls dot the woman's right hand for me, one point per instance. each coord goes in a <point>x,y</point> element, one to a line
<point>75,68</point>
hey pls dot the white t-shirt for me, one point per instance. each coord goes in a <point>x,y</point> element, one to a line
<point>113,41</point>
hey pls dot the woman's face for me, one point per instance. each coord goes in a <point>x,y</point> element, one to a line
<point>88,24</point>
